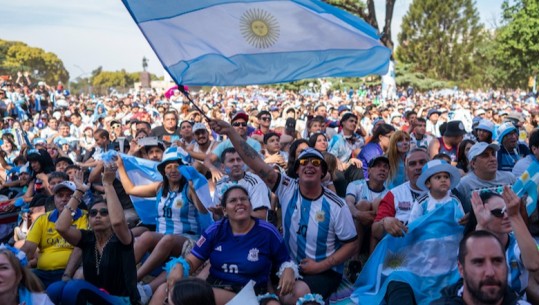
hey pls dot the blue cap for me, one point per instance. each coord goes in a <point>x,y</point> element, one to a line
<point>505,129</point>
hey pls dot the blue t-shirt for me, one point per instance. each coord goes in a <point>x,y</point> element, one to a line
<point>508,159</point>
<point>236,259</point>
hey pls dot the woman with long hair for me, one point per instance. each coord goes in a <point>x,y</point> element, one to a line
<point>377,146</point>
<point>462,159</point>
<point>319,141</point>
<point>399,145</point>
<point>181,217</point>
<point>295,149</point>
<point>108,259</point>
<point>240,248</point>
<point>19,284</point>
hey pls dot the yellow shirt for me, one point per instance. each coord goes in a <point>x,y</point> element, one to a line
<point>54,251</point>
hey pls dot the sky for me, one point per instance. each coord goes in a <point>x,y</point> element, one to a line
<point>92,33</point>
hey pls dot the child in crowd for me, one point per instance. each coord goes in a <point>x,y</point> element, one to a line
<point>438,178</point>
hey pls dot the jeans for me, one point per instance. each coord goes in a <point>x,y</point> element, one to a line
<point>80,292</point>
<point>48,277</point>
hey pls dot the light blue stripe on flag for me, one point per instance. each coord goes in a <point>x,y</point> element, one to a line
<point>141,172</point>
<point>425,258</point>
<point>528,184</point>
<point>240,42</point>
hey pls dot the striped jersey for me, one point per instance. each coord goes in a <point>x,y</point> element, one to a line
<point>359,189</point>
<point>517,274</point>
<point>313,228</point>
<point>259,192</point>
<point>177,214</point>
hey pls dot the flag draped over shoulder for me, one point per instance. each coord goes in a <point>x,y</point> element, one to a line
<point>528,183</point>
<point>141,172</point>
<point>242,42</point>
<point>425,258</point>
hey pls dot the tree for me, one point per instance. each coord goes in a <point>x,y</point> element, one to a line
<point>440,39</point>
<point>368,13</point>
<point>19,56</point>
<point>517,42</point>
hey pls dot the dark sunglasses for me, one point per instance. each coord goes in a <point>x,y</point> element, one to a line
<point>266,118</point>
<point>102,212</point>
<point>315,162</point>
<point>498,213</point>
<point>238,124</point>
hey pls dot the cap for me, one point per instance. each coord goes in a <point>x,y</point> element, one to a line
<point>432,111</point>
<point>240,115</point>
<point>199,126</point>
<point>343,108</point>
<point>479,148</point>
<point>438,166</point>
<point>65,159</point>
<point>312,153</point>
<point>377,160</point>
<point>454,129</point>
<point>64,185</point>
<point>173,154</point>
<point>485,124</point>
<point>505,129</point>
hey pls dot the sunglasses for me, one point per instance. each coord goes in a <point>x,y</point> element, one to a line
<point>238,124</point>
<point>498,213</point>
<point>315,162</point>
<point>266,118</point>
<point>102,212</point>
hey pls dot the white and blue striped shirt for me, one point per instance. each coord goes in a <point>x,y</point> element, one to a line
<point>313,228</point>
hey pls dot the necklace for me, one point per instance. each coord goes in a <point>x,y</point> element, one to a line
<point>98,256</point>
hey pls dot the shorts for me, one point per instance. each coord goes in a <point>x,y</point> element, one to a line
<point>324,283</point>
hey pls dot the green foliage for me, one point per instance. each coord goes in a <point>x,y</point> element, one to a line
<point>517,42</point>
<point>440,39</point>
<point>352,6</point>
<point>18,56</point>
<point>405,77</point>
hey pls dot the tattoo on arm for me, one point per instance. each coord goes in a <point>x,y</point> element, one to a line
<point>248,151</point>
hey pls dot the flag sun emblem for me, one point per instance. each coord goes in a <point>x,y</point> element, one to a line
<point>259,28</point>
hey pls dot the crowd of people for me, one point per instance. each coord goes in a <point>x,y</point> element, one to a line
<point>303,187</point>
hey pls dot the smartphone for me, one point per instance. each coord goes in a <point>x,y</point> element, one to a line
<point>148,141</point>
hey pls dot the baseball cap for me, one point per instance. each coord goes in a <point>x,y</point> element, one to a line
<point>377,160</point>
<point>479,148</point>
<point>199,126</point>
<point>240,115</point>
<point>505,129</point>
<point>64,185</point>
<point>485,124</point>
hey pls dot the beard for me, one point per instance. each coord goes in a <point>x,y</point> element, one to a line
<point>486,296</point>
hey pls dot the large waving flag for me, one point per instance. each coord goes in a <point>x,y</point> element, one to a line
<point>425,258</point>
<point>528,183</point>
<point>242,42</point>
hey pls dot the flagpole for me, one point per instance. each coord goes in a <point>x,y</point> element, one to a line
<point>182,90</point>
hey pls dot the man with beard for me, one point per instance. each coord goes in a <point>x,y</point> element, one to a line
<point>202,146</point>
<point>482,266</point>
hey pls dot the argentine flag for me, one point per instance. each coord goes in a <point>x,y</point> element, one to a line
<point>425,258</point>
<point>528,183</point>
<point>143,171</point>
<point>242,42</point>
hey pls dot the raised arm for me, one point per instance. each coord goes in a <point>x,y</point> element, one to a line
<point>525,241</point>
<point>147,190</point>
<point>116,213</point>
<point>247,153</point>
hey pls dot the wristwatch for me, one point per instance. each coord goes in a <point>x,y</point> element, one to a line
<point>71,210</point>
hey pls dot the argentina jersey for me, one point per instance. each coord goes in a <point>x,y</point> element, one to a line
<point>259,193</point>
<point>313,228</point>
<point>517,274</point>
<point>176,214</point>
<point>359,189</point>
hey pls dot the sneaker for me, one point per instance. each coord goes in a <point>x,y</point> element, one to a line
<point>145,292</point>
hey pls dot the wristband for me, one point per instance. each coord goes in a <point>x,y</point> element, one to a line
<point>312,298</point>
<point>81,191</point>
<point>179,260</point>
<point>291,265</point>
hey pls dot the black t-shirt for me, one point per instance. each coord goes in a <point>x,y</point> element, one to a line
<point>117,269</point>
<point>164,135</point>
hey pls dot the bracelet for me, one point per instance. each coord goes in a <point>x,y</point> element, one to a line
<point>76,198</point>
<point>289,264</point>
<point>312,298</point>
<point>81,191</point>
<point>70,208</point>
<point>267,296</point>
<point>178,260</point>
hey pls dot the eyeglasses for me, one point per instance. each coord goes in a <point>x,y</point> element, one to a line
<point>102,212</point>
<point>266,118</point>
<point>498,213</point>
<point>315,162</point>
<point>238,124</point>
